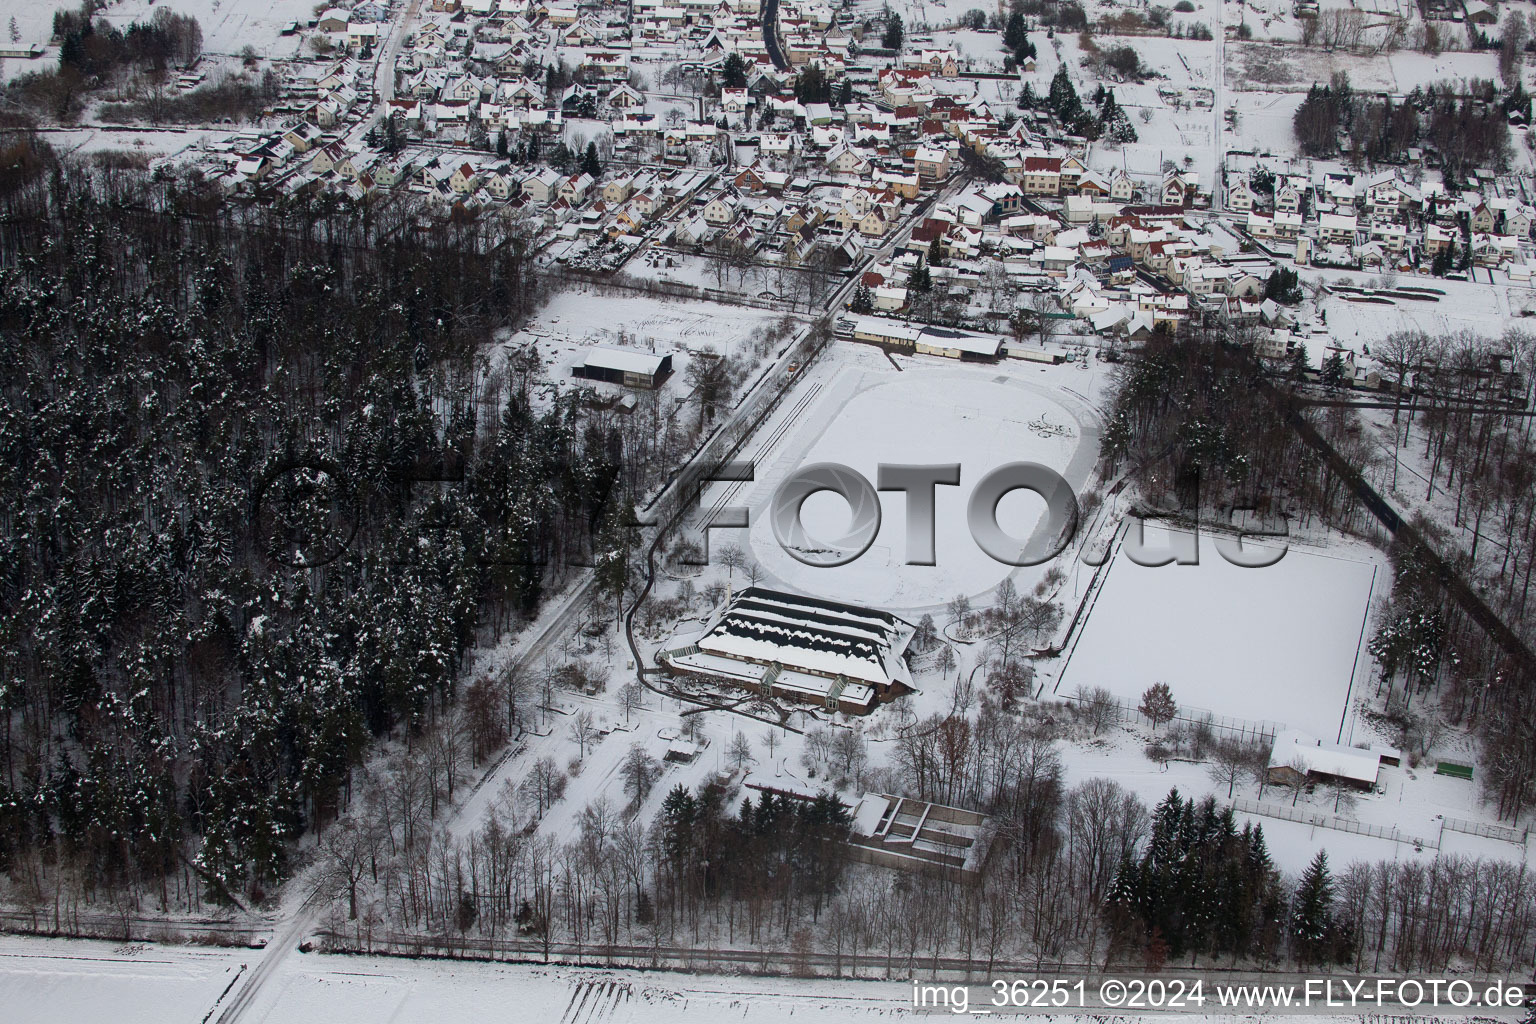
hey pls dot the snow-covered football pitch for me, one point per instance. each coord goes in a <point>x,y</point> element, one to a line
<point>1282,643</point>
<point>859,411</point>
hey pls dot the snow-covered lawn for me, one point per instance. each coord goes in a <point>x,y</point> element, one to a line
<point>376,989</point>
<point>1281,643</point>
<point>932,411</point>
<point>576,318</point>
<point>152,144</point>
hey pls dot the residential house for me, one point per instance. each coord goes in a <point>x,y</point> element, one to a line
<point>940,63</point>
<point>397,170</point>
<point>1337,228</point>
<point>1241,198</point>
<point>1388,195</point>
<point>843,160</point>
<point>617,190</point>
<point>362,34</point>
<point>1177,190</point>
<point>877,223</point>
<point>625,97</point>
<point>1518,220</point>
<point>1436,239</point>
<point>735,101</point>
<point>1288,198</point>
<point>465,179</point>
<point>1042,176</point>
<point>542,186</point>
<point>500,182</point>
<point>575,188</point>
<point>721,210</point>
<point>1072,171</point>
<point>931,162</point>
<point>1484,218</point>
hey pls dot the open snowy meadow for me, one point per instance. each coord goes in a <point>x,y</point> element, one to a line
<point>43,981</point>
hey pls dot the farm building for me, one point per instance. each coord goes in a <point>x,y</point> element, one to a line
<point>914,835</point>
<point>1296,753</point>
<point>799,648</point>
<point>623,366</point>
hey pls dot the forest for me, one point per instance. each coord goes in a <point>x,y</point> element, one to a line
<point>1467,124</point>
<point>1077,875</point>
<point>1467,422</point>
<point>261,493</point>
<point>1200,434</point>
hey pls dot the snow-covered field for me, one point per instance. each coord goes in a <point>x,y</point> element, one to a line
<point>576,320</point>
<point>1265,67</point>
<point>1281,643</point>
<point>1480,307</point>
<point>46,981</point>
<point>228,25</point>
<point>55,980</point>
<point>34,23</point>
<point>933,411</point>
<point>151,144</point>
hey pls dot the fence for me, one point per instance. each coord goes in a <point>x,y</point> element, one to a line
<point>1242,728</point>
<point>1330,821</point>
<point>1518,836</point>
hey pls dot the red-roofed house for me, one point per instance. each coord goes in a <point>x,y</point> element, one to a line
<point>1042,176</point>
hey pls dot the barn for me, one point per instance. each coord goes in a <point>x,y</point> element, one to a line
<point>623,366</point>
<point>841,656</point>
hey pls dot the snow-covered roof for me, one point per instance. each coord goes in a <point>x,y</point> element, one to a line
<point>1294,747</point>
<point>868,813</point>
<point>943,337</point>
<point>624,360</point>
<point>824,638</point>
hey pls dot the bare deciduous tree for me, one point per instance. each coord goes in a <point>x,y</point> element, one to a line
<point>631,699</point>
<point>1230,763</point>
<point>640,771</point>
<point>350,847</point>
<point>544,784</point>
<point>1099,707</point>
<point>582,732</point>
